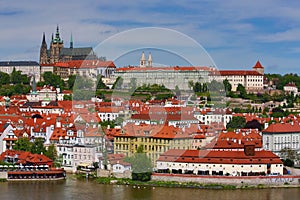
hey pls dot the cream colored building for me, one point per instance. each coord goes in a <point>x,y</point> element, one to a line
<point>156,139</point>
<point>279,136</point>
<point>232,163</point>
<point>291,88</point>
<point>252,80</point>
<point>170,77</point>
<point>28,68</point>
<point>85,68</point>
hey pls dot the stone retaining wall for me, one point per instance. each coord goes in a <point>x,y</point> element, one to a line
<point>229,180</point>
<point>109,173</point>
<point>3,175</point>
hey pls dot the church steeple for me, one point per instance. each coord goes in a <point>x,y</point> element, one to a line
<point>71,42</point>
<point>143,60</point>
<point>33,90</point>
<point>150,60</point>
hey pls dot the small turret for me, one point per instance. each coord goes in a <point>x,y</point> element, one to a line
<point>259,68</point>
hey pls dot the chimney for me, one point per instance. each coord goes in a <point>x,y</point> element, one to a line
<point>249,150</point>
<point>58,124</point>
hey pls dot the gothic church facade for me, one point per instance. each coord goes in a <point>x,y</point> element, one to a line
<point>57,52</point>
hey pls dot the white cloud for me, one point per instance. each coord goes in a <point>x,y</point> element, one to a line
<point>229,26</point>
<point>285,36</point>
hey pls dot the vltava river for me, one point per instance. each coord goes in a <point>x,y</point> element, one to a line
<point>75,189</point>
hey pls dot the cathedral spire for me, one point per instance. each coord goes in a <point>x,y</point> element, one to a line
<point>44,39</point>
<point>57,37</point>
<point>43,51</point>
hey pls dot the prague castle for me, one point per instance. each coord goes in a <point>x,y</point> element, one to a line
<point>57,52</point>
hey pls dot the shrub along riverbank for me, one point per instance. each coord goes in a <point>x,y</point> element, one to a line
<point>175,184</point>
<point>113,180</point>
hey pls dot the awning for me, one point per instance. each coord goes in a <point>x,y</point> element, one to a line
<point>84,164</point>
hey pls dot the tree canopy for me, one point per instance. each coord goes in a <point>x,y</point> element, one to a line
<point>236,122</point>
<point>100,84</point>
<point>53,80</point>
<point>141,165</point>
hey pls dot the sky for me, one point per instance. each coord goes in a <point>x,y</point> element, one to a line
<point>234,34</point>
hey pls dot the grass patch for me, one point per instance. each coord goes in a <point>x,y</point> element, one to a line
<point>172,184</point>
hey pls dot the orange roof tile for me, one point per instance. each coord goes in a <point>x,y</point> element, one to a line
<point>219,157</point>
<point>258,65</point>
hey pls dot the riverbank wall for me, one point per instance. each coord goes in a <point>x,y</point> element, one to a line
<point>231,180</point>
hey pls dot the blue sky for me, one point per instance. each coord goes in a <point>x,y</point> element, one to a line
<point>234,33</point>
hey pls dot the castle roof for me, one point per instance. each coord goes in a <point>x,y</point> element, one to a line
<point>19,63</point>
<point>258,65</point>
<point>81,51</point>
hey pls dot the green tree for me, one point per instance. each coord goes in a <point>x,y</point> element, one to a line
<point>237,122</point>
<point>227,86</point>
<point>53,80</point>
<point>177,91</point>
<point>20,89</point>
<point>25,79</point>
<point>71,81</point>
<point>15,76</point>
<point>83,83</point>
<point>191,84</point>
<point>23,144</point>
<point>118,83</point>
<point>132,85</point>
<point>58,161</point>
<point>100,84</point>
<point>4,78</point>
<point>51,152</point>
<point>67,97</point>
<point>141,165</point>
<point>242,90</point>
<point>38,146</point>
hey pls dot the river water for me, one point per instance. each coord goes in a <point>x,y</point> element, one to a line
<point>87,189</point>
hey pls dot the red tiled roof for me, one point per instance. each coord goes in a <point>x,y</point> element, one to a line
<point>283,128</point>
<point>27,157</point>
<point>154,131</point>
<point>176,68</point>
<point>219,157</point>
<point>258,65</point>
<point>239,73</point>
<point>291,84</point>
<point>113,109</point>
<point>236,140</point>
<point>85,64</point>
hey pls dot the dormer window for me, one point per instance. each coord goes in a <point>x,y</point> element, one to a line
<point>146,132</point>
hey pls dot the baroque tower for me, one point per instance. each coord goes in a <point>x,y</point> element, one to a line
<point>143,60</point>
<point>150,60</point>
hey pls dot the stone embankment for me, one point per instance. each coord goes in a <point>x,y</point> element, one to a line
<point>240,181</point>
